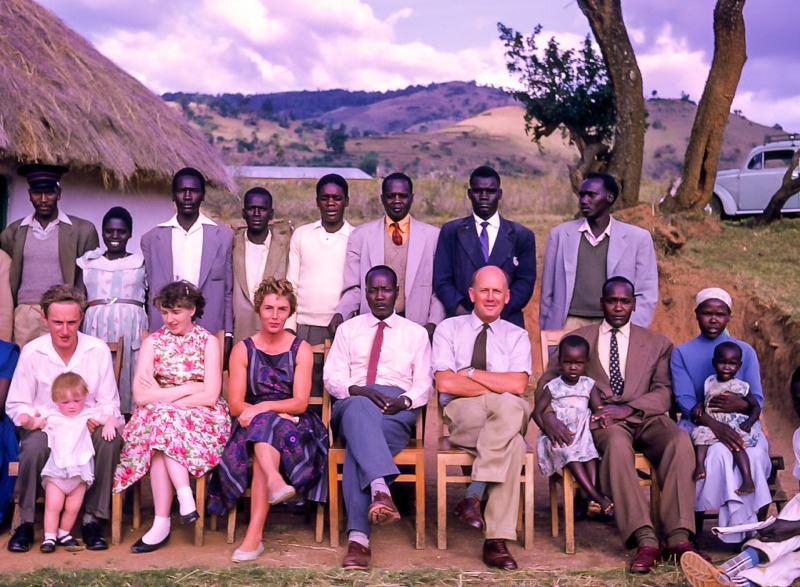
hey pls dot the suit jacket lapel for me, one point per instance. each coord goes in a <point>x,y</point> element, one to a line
<point>277,252</point>
<point>210,243</point>
<point>571,245</point>
<point>415,248</point>
<point>375,244</point>
<point>163,251</point>
<point>239,271</point>
<point>503,245</point>
<point>67,245</point>
<point>468,237</point>
<point>634,364</point>
<point>617,246</point>
<point>596,370</point>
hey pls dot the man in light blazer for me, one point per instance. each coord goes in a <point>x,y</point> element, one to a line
<point>582,254</point>
<point>404,244</point>
<point>192,247</point>
<point>630,367</point>
<point>43,248</point>
<point>484,238</point>
<point>258,252</point>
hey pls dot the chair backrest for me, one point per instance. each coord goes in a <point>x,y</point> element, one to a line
<point>550,340</point>
<point>116,351</point>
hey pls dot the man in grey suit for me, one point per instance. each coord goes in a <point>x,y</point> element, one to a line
<point>192,247</point>
<point>582,254</point>
<point>258,252</point>
<point>404,244</point>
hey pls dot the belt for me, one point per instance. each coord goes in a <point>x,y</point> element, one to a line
<point>108,302</point>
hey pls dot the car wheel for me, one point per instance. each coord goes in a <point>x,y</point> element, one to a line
<point>715,208</point>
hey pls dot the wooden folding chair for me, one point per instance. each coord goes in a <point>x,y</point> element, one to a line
<point>200,489</point>
<point>647,473</point>
<point>318,349</point>
<point>450,456</point>
<point>412,456</point>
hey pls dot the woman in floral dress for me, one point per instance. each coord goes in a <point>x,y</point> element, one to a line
<point>269,387</point>
<point>115,288</point>
<point>181,424</point>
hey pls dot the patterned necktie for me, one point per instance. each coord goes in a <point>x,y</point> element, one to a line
<point>613,365</point>
<point>479,351</point>
<point>397,236</point>
<point>484,238</point>
<point>375,354</point>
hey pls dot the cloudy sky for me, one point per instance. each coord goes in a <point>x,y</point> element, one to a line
<point>259,46</point>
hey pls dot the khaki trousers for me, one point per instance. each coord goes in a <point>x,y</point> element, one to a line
<point>28,323</point>
<point>670,450</point>
<point>492,427</point>
<point>575,322</point>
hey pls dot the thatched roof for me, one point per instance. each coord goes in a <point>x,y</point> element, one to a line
<point>62,102</point>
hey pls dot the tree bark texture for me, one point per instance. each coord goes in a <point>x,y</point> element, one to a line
<point>625,162</point>
<point>702,153</point>
<point>789,187</point>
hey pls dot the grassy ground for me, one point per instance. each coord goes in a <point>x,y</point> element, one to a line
<point>258,576</point>
<point>766,258</point>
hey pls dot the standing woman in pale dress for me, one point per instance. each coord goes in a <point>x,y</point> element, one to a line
<point>181,423</point>
<point>115,288</point>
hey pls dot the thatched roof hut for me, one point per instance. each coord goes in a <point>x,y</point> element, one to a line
<point>62,102</point>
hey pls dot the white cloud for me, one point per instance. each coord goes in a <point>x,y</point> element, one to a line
<point>671,67</point>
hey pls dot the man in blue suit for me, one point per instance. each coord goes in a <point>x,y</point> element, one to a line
<point>484,238</point>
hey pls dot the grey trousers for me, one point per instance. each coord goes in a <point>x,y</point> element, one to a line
<point>33,454</point>
<point>314,335</point>
<point>371,440</point>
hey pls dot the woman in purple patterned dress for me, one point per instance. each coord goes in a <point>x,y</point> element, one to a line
<point>181,424</point>
<point>268,391</point>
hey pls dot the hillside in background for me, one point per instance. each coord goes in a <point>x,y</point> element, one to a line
<point>427,131</point>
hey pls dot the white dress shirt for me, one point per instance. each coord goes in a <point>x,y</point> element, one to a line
<point>405,359</point>
<point>255,259</point>
<point>42,233</point>
<point>590,237</point>
<point>491,230</point>
<point>39,365</point>
<point>187,248</point>
<point>604,346</point>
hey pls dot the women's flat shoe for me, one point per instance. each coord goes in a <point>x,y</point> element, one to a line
<point>140,546</point>
<point>286,492</point>
<point>190,518</point>
<point>243,556</point>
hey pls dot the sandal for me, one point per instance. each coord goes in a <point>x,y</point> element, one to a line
<point>594,509</point>
<point>69,543</point>
<point>48,546</point>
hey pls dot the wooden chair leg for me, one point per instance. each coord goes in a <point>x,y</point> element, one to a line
<point>232,525</point>
<point>137,505</point>
<point>554,522</point>
<point>419,470</point>
<point>333,501</point>
<point>320,525</point>
<point>569,513</point>
<point>213,523</point>
<point>15,516</point>
<point>200,501</point>
<point>441,504</point>
<point>529,507</point>
<point>116,517</point>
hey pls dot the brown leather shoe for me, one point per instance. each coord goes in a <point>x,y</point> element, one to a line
<point>468,510</point>
<point>382,509</point>
<point>646,559</point>
<point>495,554</point>
<point>674,553</point>
<point>357,557</point>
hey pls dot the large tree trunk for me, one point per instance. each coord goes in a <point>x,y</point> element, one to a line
<point>789,187</point>
<point>702,153</point>
<point>625,162</point>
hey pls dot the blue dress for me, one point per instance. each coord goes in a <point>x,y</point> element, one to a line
<point>303,446</point>
<point>9,448</point>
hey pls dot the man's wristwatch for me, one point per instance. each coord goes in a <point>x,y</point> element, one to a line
<point>470,372</point>
<point>406,401</point>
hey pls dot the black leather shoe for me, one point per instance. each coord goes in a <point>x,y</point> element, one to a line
<point>140,547</point>
<point>92,535</point>
<point>190,518</point>
<point>22,538</point>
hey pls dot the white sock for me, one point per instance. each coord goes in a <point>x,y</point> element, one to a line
<point>377,485</point>
<point>186,500</point>
<point>359,537</point>
<point>158,531</point>
<point>49,536</point>
<point>62,533</point>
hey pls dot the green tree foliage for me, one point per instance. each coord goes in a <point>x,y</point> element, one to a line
<point>336,138</point>
<point>369,163</point>
<point>568,88</point>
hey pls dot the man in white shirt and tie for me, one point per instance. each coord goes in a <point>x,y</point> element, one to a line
<point>379,371</point>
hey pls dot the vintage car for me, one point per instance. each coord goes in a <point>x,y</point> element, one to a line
<point>748,190</point>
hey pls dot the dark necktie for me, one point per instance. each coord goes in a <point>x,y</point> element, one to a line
<point>613,365</point>
<point>375,354</point>
<point>484,238</point>
<point>397,236</point>
<point>479,351</point>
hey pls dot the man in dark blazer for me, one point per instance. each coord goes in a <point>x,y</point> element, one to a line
<point>50,241</point>
<point>192,247</point>
<point>630,367</point>
<point>484,238</point>
<point>258,252</point>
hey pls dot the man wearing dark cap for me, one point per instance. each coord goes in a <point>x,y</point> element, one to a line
<point>43,248</point>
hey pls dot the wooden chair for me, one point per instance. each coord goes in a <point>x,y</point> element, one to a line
<point>647,473</point>
<point>450,456</point>
<point>319,349</point>
<point>412,456</point>
<point>13,468</point>
<point>200,490</point>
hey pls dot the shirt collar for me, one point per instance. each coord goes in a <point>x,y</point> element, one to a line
<point>584,227</point>
<point>201,219</point>
<point>476,323</point>
<point>391,321</point>
<point>494,220</point>
<point>402,224</point>
<point>62,217</point>
<point>625,331</point>
<point>345,230</point>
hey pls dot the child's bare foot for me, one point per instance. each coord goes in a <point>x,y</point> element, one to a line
<point>607,507</point>
<point>699,472</point>
<point>747,487</point>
